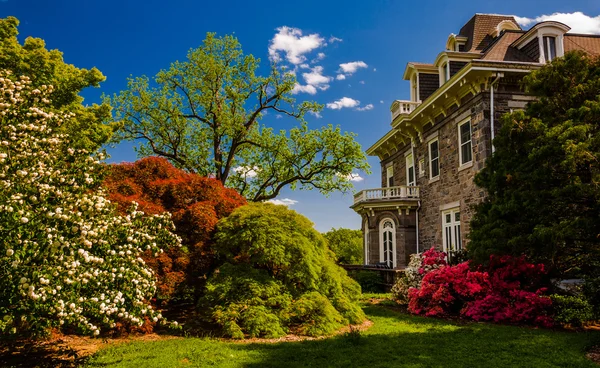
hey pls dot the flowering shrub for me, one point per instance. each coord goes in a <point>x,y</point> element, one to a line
<point>196,203</point>
<point>444,291</point>
<point>66,257</point>
<point>420,264</point>
<point>507,292</point>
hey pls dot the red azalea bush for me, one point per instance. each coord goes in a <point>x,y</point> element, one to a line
<point>196,204</point>
<point>507,292</point>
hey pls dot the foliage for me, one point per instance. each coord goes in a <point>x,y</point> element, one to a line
<point>47,67</point>
<point>395,339</point>
<point>508,291</point>
<point>196,204</point>
<point>543,179</point>
<point>277,274</point>
<point>420,264</point>
<point>346,244</point>
<point>66,258</point>
<point>369,281</point>
<point>574,310</point>
<point>204,115</point>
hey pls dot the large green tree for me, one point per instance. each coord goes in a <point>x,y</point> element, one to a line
<point>544,178</point>
<point>204,115</point>
<point>47,67</point>
<point>346,244</point>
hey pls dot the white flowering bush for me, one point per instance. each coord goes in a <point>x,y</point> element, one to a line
<point>66,257</point>
<point>420,264</point>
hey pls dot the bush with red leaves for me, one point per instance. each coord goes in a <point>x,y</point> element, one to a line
<point>196,204</point>
<point>507,292</point>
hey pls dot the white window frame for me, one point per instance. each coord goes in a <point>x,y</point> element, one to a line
<point>461,143</point>
<point>431,177</point>
<point>546,50</point>
<point>389,175</point>
<point>451,230</point>
<point>421,168</point>
<point>393,240</point>
<point>414,182</point>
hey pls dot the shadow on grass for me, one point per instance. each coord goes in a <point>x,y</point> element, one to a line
<point>395,340</point>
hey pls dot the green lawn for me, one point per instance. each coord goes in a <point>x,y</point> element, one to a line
<point>395,340</point>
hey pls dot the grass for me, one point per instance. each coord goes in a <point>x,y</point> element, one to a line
<point>395,340</point>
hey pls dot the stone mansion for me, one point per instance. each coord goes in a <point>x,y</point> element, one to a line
<point>441,137</point>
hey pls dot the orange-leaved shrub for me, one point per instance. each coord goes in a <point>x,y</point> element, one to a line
<point>196,203</point>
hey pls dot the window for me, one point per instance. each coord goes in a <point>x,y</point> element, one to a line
<point>387,243</point>
<point>415,89</point>
<point>421,168</point>
<point>434,159</point>
<point>451,230</point>
<point>549,48</point>
<point>390,176</point>
<point>410,170</point>
<point>464,140</point>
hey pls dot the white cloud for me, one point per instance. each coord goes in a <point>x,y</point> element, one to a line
<point>380,101</point>
<point>248,172</point>
<point>320,56</point>
<point>315,77</point>
<point>579,22</point>
<point>340,77</point>
<point>304,66</point>
<point>351,67</point>
<point>298,88</point>
<point>278,116</point>
<point>333,39</point>
<point>374,69</point>
<point>343,102</point>
<point>293,44</point>
<point>315,80</point>
<point>316,114</point>
<point>365,108</point>
<point>355,177</point>
<point>283,201</point>
<point>362,82</point>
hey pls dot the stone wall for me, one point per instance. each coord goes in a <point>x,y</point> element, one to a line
<point>455,185</point>
<point>405,232</point>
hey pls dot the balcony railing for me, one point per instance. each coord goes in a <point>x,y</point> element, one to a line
<point>390,193</point>
<point>400,107</point>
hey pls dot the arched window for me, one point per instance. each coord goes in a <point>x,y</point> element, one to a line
<point>366,242</point>
<point>387,242</point>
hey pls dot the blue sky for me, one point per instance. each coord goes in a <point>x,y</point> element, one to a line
<point>368,42</point>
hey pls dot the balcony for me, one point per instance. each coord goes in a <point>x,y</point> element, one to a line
<point>403,107</point>
<point>390,194</point>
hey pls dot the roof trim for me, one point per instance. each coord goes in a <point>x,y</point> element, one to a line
<point>521,41</point>
<point>428,68</point>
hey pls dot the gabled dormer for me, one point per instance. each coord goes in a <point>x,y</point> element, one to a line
<point>456,43</point>
<point>423,80</point>
<point>449,63</point>
<point>543,42</point>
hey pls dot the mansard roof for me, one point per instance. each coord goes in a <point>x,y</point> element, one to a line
<point>480,28</point>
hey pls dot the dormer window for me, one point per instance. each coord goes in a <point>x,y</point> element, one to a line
<point>415,89</point>
<point>549,48</point>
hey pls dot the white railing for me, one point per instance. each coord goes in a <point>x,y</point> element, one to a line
<point>382,194</point>
<point>400,107</point>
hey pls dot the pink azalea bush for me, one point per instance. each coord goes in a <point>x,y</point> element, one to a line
<point>507,292</point>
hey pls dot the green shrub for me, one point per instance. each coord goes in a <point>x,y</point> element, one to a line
<point>276,274</point>
<point>369,281</point>
<point>572,310</point>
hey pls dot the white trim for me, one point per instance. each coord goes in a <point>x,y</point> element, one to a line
<point>433,136</point>
<point>450,205</point>
<point>389,173</point>
<point>366,241</point>
<point>465,166</point>
<point>412,158</point>
<point>431,177</point>
<point>422,167</point>
<point>460,143</point>
<point>393,240</point>
<point>452,229</point>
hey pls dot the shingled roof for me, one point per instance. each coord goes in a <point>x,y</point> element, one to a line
<point>479,28</point>
<point>587,43</point>
<point>501,50</point>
